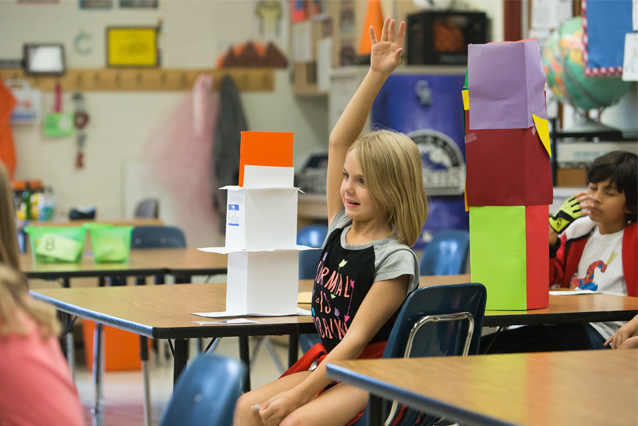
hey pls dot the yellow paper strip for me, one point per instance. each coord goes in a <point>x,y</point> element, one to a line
<point>542,128</point>
<point>466,100</point>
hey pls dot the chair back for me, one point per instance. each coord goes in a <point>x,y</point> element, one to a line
<point>444,320</point>
<point>311,236</point>
<point>157,237</point>
<point>147,208</point>
<point>205,393</point>
<point>446,254</point>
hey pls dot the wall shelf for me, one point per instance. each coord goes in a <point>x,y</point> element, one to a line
<point>129,79</point>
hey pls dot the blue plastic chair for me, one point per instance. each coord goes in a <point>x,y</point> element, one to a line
<point>446,254</point>
<point>205,393</point>
<point>442,320</point>
<point>145,237</point>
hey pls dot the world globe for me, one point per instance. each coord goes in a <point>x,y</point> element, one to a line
<point>562,59</point>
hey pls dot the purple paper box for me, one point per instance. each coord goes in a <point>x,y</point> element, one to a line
<point>506,85</point>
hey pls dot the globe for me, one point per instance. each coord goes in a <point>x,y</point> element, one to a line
<point>562,59</point>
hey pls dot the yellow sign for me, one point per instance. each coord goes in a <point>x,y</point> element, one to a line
<point>131,46</point>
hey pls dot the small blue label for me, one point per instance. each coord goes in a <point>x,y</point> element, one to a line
<point>232,218</point>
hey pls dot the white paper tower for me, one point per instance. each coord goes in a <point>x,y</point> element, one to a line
<point>261,233</point>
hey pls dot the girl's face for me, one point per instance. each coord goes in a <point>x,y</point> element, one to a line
<point>608,206</point>
<point>354,193</point>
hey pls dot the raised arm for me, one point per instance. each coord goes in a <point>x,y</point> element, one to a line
<point>384,58</point>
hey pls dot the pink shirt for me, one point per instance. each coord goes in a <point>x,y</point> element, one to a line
<point>36,388</point>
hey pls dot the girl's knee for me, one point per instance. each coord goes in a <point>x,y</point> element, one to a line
<point>292,419</point>
<point>243,410</point>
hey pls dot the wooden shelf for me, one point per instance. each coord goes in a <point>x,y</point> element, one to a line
<point>112,79</point>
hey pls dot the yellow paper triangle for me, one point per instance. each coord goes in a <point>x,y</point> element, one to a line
<point>467,208</point>
<point>466,100</point>
<point>543,132</point>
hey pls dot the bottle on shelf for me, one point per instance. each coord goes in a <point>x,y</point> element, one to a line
<point>26,202</point>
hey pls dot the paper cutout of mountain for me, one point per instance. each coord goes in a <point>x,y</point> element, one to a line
<point>252,54</point>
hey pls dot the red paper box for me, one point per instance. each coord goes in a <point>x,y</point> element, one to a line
<point>506,167</point>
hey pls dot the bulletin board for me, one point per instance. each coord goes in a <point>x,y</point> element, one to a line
<point>131,47</point>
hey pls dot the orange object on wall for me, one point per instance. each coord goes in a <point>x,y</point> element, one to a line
<point>121,348</point>
<point>374,17</point>
<point>7,148</point>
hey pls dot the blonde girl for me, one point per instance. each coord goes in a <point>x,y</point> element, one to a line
<point>376,209</point>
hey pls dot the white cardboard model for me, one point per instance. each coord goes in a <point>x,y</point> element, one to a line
<point>261,234</point>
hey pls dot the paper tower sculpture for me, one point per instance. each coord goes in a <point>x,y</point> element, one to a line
<point>261,229</point>
<point>508,182</point>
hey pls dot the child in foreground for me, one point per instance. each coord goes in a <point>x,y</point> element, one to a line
<point>376,209</point>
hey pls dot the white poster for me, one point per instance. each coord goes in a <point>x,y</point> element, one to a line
<point>630,63</point>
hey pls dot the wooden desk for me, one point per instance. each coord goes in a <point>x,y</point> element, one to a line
<point>561,310</point>
<point>585,388</point>
<point>142,262</point>
<point>117,222</point>
<point>165,312</point>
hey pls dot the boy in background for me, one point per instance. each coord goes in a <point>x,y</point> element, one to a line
<point>593,246</point>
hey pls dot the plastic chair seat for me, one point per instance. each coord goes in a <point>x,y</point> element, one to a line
<point>205,393</point>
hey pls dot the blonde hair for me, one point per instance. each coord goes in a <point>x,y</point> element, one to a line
<point>15,302</point>
<point>8,236</point>
<point>391,166</point>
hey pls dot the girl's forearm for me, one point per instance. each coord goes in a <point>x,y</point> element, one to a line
<point>318,380</point>
<point>353,118</point>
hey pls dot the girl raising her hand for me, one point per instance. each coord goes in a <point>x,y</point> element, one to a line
<point>376,209</point>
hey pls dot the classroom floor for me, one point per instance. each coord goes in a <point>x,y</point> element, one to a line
<point>123,392</point>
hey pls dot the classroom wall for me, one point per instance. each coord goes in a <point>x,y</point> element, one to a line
<point>122,124</point>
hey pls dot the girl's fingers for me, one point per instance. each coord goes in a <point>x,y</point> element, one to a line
<point>401,34</point>
<point>384,31</point>
<point>391,31</point>
<point>373,36</point>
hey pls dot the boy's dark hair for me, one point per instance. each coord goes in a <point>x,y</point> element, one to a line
<point>620,167</point>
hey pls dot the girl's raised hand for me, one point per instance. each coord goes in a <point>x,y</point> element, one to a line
<point>386,53</point>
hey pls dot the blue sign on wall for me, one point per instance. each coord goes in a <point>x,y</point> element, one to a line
<point>429,109</point>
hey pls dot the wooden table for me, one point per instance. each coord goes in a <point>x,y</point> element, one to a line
<point>562,309</point>
<point>584,388</point>
<point>166,312</point>
<point>142,262</point>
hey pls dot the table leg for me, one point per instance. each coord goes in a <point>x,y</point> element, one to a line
<point>147,381</point>
<point>66,341</point>
<point>293,349</point>
<point>376,411</point>
<point>244,355</point>
<point>66,282</point>
<point>180,359</point>
<point>98,366</point>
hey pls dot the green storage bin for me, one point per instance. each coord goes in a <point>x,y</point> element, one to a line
<point>56,244</point>
<point>110,243</point>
